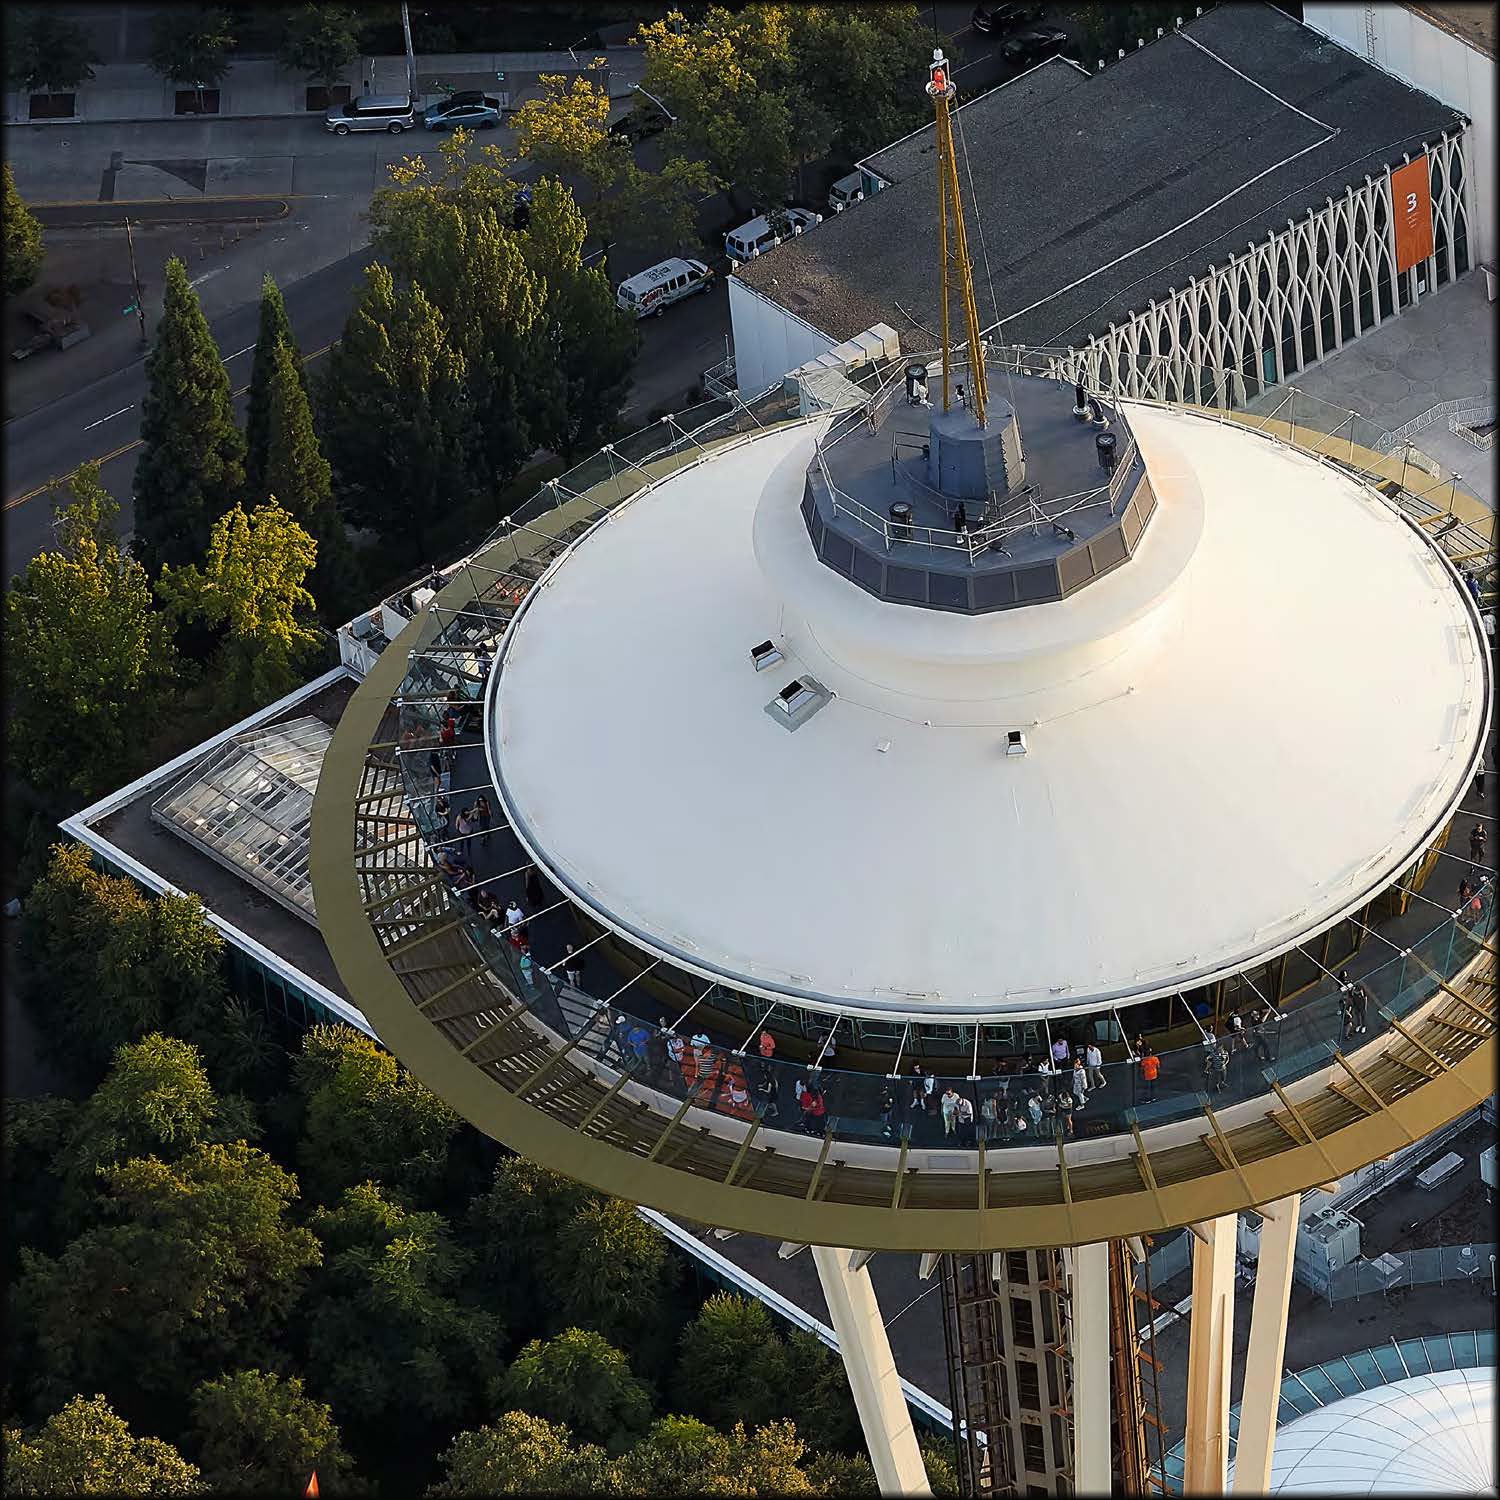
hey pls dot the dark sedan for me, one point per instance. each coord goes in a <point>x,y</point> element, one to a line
<point>1034,45</point>
<point>997,19</point>
<point>471,110</point>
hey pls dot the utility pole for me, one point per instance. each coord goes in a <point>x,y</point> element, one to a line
<point>411,56</point>
<point>135,281</point>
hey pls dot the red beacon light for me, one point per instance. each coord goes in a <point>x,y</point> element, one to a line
<point>938,74</point>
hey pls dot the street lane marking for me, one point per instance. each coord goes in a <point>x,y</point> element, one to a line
<point>110,417</point>
<point>208,276</point>
<point>46,485</point>
<point>238,352</point>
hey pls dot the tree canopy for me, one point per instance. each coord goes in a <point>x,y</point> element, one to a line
<point>90,663</point>
<point>117,964</point>
<point>366,1117</point>
<point>85,1449</point>
<point>764,89</point>
<point>566,132</point>
<point>197,1266</point>
<point>250,588</point>
<point>395,413</point>
<point>390,1337</point>
<point>274,330</point>
<point>45,52</point>
<point>191,466</point>
<point>257,1433</point>
<point>320,41</point>
<point>582,1381</point>
<point>519,1454</point>
<point>191,45</point>
<point>23,238</point>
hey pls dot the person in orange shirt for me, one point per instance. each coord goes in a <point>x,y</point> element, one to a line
<point>767,1044</point>
<point>1150,1067</point>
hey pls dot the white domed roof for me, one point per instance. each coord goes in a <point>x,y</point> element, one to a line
<point>1429,1435</point>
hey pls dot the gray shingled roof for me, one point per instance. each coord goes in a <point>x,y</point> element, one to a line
<point>1070,173</point>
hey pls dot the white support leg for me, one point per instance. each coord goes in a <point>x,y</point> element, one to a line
<point>1091,1369</point>
<point>1262,1393</point>
<point>883,1413</point>
<point>1205,1447</point>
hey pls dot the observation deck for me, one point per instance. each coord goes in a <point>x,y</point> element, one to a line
<point>577,1077</point>
<point>875,516</point>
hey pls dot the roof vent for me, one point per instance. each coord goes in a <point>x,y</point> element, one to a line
<point>798,701</point>
<point>765,655</point>
<point>1015,742</point>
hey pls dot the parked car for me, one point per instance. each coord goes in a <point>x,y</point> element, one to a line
<point>639,125</point>
<point>995,20</point>
<point>749,240</point>
<point>1034,45</point>
<point>469,111</point>
<point>649,293</point>
<point>846,190</point>
<point>391,112</point>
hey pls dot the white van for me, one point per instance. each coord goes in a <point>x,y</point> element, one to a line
<point>749,240</point>
<point>846,190</point>
<point>651,291</point>
<point>392,112</point>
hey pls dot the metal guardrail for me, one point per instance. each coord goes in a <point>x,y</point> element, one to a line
<point>1463,406</point>
<point>1396,1272</point>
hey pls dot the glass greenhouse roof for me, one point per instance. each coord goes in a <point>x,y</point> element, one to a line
<point>248,804</point>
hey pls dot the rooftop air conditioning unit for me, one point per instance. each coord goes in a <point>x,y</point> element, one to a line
<point>364,626</point>
<point>765,655</point>
<point>1015,742</point>
<point>794,696</point>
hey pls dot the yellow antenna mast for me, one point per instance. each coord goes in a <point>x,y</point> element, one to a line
<point>941,90</point>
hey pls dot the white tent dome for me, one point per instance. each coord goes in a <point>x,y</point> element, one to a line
<point>1429,1435</point>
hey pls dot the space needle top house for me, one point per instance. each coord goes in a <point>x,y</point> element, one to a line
<point>975,728</point>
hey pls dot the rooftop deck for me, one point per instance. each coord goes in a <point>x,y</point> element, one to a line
<point>1067,523</point>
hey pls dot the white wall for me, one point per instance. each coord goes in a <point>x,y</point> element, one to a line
<point>1423,55</point>
<point>768,340</point>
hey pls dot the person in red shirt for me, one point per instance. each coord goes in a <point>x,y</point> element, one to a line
<point>813,1109</point>
<point>767,1044</point>
<point>1150,1067</point>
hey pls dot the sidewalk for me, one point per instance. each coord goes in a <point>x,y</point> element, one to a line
<point>261,88</point>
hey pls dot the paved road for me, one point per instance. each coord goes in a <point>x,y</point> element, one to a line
<point>102,420</point>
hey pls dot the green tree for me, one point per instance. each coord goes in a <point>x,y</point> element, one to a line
<point>192,46</point>
<point>395,413</point>
<point>191,468</point>
<point>558,1254</point>
<point>23,239</point>
<point>250,587</point>
<point>941,1475</point>
<point>566,132</point>
<point>45,53</point>
<point>583,1382</point>
<point>367,1117</point>
<point>732,1365</point>
<point>590,343</point>
<point>390,1338</point>
<point>760,91</point>
<point>257,1433</point>
<point>90,662</point>
<point>298,478</point>
<point>115,964</point>
<point>818,1394</point>
<point>275,330</point>
<point>1108,28</point>
<point>519,1454</point>
<point>35,1131</point>
<point>85,1449</point>
<point>320,41</point>
<point>683,1456</point>
<point>198,1269</point>
<point>155,1100</point>
<point>842,1474</point>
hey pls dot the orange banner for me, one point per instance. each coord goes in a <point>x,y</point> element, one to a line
<point>1411,203</point>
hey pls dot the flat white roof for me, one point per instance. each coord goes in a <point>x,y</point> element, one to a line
<point>1233,740</point>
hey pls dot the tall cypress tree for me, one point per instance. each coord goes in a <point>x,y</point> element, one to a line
<point>192,464</point>
<point>297,476</point>
<point>274,330</point>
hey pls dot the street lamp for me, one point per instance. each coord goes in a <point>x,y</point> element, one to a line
<point>657,102</point>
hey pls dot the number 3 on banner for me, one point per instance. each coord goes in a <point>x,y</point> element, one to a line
<point>1411,203</point>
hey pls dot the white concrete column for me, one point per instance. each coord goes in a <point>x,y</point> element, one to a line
<point>1256,1442</point>
<point>883,1413</point>
<point>1205,1447</point>
<point>1091,1369</point>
